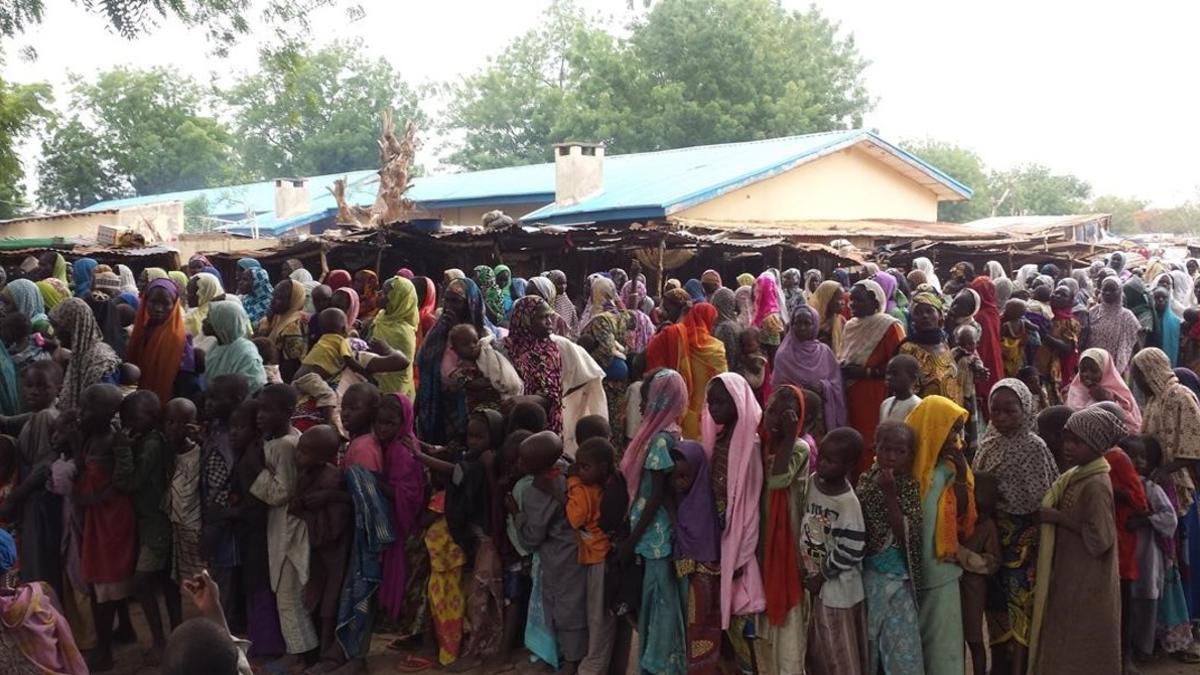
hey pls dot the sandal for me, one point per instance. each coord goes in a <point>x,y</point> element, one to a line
<point>414,663</point>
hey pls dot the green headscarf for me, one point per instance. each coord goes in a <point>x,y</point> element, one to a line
<point>397,325</point>
<point>493,298</point>
<point>234,353</point>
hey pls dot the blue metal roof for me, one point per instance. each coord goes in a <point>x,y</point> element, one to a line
<point>636,186</point>
<point>657,184</point>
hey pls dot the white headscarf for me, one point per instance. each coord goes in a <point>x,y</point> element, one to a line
<point>931,276</point>
<point>995,270</point>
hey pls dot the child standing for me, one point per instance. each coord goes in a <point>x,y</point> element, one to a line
<point>891,504</point>
<point>287,537</point>
<point>970,367</point>
<point>321,501</point>
<point>697,554</point>
<point>1019,338</point>
<point>542,528</point>
<point>833,536</point>
<point>585,490</point>
<point>183,496</point>
<point>108,547</point>
<point>218,542</point>
<point>148,486</point>
<point>979,556</point>
<point>782,628</point>
<point>1077,557</point>
<point>1152,528</point>
<point>900,377</point>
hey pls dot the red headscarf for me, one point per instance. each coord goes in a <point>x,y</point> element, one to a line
<point>988,318</point>
<point>368,294</point>
<point>338,279</point>
<point>781,568</point>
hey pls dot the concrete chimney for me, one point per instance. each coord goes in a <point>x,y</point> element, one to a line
<point>578,172</point>
<point>291,197</point>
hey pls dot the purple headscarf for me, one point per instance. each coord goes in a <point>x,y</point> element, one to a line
<point>888,283</point>
<point>696,536</point>
<point>811,364</point>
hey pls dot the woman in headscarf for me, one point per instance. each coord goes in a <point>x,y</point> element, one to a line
<point>493,299</point>
<point>366,284</point>
<point>426,306</point>
<point>128,281</point>
<point>995,270</point>
<point>743,298</point>
<point>1004,291</point>
<point>947,489</point>
<point>602,297</point>
<point>396,324</point>
<point>812,279</point>
<point>287,326</point>
<point>889,285</point>
<point>1137,300</point>
<point>544,289</point>
<point>203,288</point>
<point>254,287</point>
<point>82,271</point>
<point>1096,381</point>
<point>606,331</point>
<point>869,341</point>
<point>937,372</point>
<point>562,302</point>
<point>53,291</point>
<point>828,301</point>
<point>1013,453</point>
<point>931,277</point>
<point>1172,416</point>
<point>695,290</point>
<point>150,274</point>
<point>441,412</point>
<point>688,348</point>
<point>335,279</point>
<point>52,265</point>
<point>197,263</point>
<point>23,296</point>
<point>806,362</point>
<point>619,277</point>
<point>727,329</point>
<point>1165,334</point>
<point>768,315</point>
<point>638,307</point>
<point>646,466</point>
<point>987,316</point>
<point>1113,327</point>
<point>181,281</point>
<point>93,361</point>
<point>710,280</point>
<point>160,345</point>
<point>1077,558</point>
<point>732,444</point>
<point>234,352</point>
<point>555,368</point>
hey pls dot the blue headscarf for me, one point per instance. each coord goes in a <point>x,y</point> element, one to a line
<point>81,271</point>
<point>1166,334</point>
<point>213,271</point>
<point>695,289</point>
<point>248,264</point>
<point>28,299</point>
<point>8,551</point>
<point>431,413</point>
<point>258,301</point>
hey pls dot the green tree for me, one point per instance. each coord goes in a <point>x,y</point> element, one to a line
<point>138,131</point>
<point>308,113</point>
<point>690,72</point>
<point>964,166</point>
<point>22,106</point>
<point>1035,190</point>
<point>1124,211</point>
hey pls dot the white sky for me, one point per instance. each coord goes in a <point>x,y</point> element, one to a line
<point>1096,90</point>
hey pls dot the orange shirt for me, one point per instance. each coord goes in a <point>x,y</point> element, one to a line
<point>583,513</point>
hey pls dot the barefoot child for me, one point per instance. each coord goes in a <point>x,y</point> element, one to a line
<point>900,377</point>
<point>287,538</point>
<point>832,535</point>
<point>891,504</point>
<point>108,547</point>
<point>321,501</point>
<point>585,491</point>
<point>970,368</point>
<point>542,528</point>
<point>1153,528</point>
<point>218,542</point>
<point>183,497</point>
<point>979,556</point>
<point>1077,557</point>
<point>697,553</point>
<point>147,486</point>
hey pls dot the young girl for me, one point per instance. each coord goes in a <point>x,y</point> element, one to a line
<point>1077,557</point>
<point>697,554</point>
<point>729,429</point>
<point>218,543</point>
<point>646,466</point>
<point>891,505</point>
<point>782,629</point>
<point>1154,529</point>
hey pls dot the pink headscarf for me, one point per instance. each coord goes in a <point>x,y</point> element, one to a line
<point>404,272</point>
<point>352,312</point>
<point>1078,396</point>
<point>766,297</point>
<point>666,398</point>
<point>739,542</point>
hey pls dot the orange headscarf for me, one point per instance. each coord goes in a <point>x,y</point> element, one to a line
<point>705,360</point>
<point>158,351</point>
<point>369,293</point>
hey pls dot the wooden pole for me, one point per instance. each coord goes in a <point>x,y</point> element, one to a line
<point>662,253</point>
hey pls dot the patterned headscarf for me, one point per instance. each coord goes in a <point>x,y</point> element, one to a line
<point>368,296</point>
<point>258,301</point>
<point>27,299</point>
<point>536,359</point>
<point>248,263</point>
<point>1020,461</point>
<point>1097,427</point>
<point>493,298</point>
<point>91,357</point>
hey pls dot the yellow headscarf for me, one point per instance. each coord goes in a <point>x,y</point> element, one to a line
<point>276,323</point>
<point>931,422</point>
<point>745,279</point>
<point>60,268</point>
<point>208,287</point>
<point>820,302</point>
<point>397,325</point>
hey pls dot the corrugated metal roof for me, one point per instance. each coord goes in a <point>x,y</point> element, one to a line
<point>878,228</point>
<point>657,184</point>
<point>1033,224</point>
<point>55,216</point>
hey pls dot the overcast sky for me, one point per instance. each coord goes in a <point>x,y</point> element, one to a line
<point>1106,93</point>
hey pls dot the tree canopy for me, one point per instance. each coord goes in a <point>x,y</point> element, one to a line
<point>964,166</point>
<point>690,72</point>
<point>308,113</point>
<point>21,108</point>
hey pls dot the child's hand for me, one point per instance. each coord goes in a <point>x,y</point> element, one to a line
<point>511,505</point>
<point>887,482</point>
<point>379,346</point>
<point>814,583</point>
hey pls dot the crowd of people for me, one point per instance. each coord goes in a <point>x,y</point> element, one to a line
<point>882,471</point>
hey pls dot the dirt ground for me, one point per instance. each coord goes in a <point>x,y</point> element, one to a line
<point>131,659</point>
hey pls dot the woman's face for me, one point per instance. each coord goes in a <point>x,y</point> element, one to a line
<point>158,306</point>
<point>502,279</point>
<point>542,323</point>
<point>837,302</point>
<point>456,305</point>
<point>281,298</point>
<point>720,404</point>
<point>953,439</point>
<point>1061,299</point>
<point>245,282</point>
<point>802,325</point>
<point>1110,291</point>
<point>1089,372</point>
<point>862,302</point>
<point>193,292</point>
<point>925,317</point>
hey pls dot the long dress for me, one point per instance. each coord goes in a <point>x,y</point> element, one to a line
<point>863,397</point>
<point>939,603</point>
<point>1085,566</point>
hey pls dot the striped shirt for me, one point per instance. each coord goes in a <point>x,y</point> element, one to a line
<point>833,539</point>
